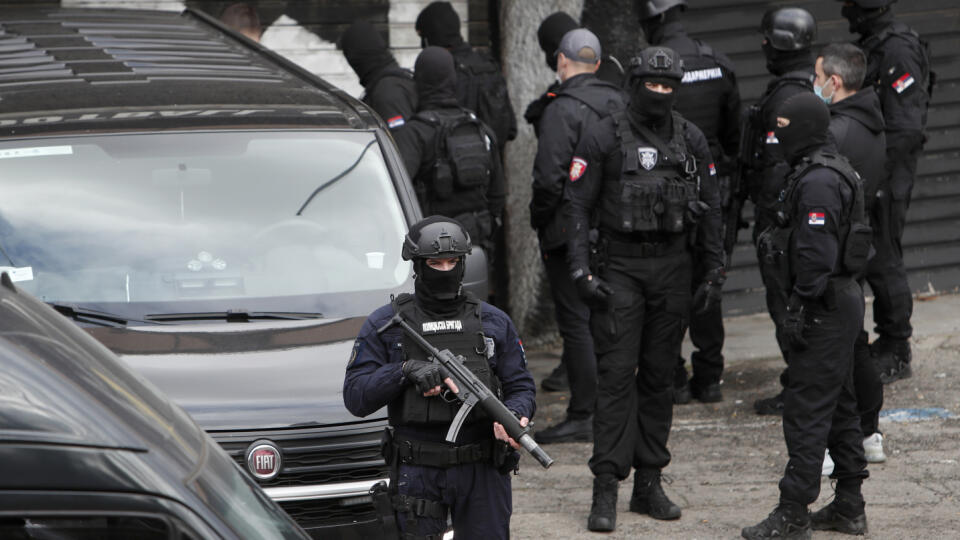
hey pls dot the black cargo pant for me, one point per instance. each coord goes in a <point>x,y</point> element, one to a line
<point>637,341</point>
<point>867,386</point>
<point>886,274</point>
<point>573,322</point>
<point>706,333</point>
<point>820,406</point>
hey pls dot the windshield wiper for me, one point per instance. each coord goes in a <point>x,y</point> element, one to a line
<point>93,316</point>
<point>330,182</point>
<point>233,315</point>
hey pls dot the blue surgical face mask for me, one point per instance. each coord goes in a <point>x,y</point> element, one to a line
<point>818,90</point>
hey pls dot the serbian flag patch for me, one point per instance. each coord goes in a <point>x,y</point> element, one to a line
<point>816,218</point>
<point>395,122</point>
<point>577,167</point>
<point>713,169</point>
<point>772,138</point>
<point>902,83</point>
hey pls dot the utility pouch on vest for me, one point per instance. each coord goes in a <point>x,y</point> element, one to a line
<point>675,198</point>
<point>857,247</point>
<point>640,206</point>
<point>442,180</point>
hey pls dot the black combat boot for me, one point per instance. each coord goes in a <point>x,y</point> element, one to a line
<point>556,381</point>
<point>570,430</point>
<point>603,513</point>
<point>706,393</point>
<point>842,515</point>
<point>649,498</point>
<point>788,521</point>
<point>771,405</point>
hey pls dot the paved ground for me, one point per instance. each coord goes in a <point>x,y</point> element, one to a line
<point>727,460</point>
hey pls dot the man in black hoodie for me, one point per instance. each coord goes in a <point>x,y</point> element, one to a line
<point>390,90</point>
<point>856,124</point>
<point>449,153</point>
<point>578,101</point>
<point>480,87</point>
<point>708,97</point>
<point>898,67</point>
<point>788,34</point>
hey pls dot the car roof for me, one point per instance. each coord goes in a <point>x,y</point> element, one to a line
<point>100,62</point>
<point>59,386</point>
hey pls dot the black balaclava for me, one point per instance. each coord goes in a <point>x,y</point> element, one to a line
<point>435,78</point>
<point>808,128</point>
<point>653,28</point>
<point>651,108</point>
<point>655,64</point>
<point>436,291</point>
<point>780,62</point>
<point>551,32</point>
<point>365,50</point>
<point>439,26</point>
<point>866,22</point>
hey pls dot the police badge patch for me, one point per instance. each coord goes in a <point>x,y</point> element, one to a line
<point>648,157</point>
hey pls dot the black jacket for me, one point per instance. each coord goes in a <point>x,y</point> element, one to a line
<point>856,125</point>
<point>572,107</point>
<point>600,163</point>
<point>708,95</point>
<point>485,93</point>
<point>822,208</point>
<point>392,93</point>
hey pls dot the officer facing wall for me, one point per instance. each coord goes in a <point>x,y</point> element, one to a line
<point>898,67</point>
<point>645,177</point>
<point>820,242</point>
<point>432,478</point>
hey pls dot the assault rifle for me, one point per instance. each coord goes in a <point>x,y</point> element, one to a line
<point>471,393</point>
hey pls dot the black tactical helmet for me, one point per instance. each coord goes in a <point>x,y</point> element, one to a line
<point>652,8</point>
<point>789,29</point>
<point>656,61</point>
<point>871,4</point>
<point>436,237</point>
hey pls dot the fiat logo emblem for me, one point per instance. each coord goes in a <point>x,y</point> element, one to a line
<point>264,460</point>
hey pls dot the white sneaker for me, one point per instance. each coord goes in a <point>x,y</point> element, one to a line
<point>873,449</point>
<point>827,468</point>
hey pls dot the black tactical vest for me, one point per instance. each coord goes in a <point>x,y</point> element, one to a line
<point>463,335</point>
<point>655,188</point>
<point>461,174</point>
<point>703,92</point>
<point>856,237</point>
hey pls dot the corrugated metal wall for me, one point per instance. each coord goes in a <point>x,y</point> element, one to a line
<point>932,237</point>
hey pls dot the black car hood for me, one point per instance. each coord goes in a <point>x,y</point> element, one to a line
<point>245,376</point>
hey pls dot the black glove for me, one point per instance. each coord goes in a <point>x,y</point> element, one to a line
<point>792,325</point>
<point>426,375</point>
<point>594,290</point>
<point>710,291</point>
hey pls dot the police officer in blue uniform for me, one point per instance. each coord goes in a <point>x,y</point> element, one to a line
<point>468,479</point>
<point>788,34</point>
<point>898,68</point>
<point>644,178</point>
<point>708,97</point>
<point>820,242</point>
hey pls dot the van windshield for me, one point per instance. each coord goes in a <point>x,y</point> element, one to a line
<point>191,221</point>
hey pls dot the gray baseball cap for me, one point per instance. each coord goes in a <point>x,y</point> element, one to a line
<point>575,41</point>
